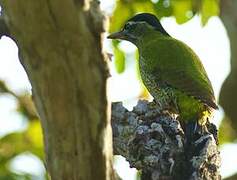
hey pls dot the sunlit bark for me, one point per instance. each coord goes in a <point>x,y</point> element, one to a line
<point>60,48</point>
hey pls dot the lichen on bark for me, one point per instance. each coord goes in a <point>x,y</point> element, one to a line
<point>153,141</point>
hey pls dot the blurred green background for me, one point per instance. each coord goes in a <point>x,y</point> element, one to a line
<point>21,144</point>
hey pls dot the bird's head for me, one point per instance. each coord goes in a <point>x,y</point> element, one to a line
<point>139,26</point>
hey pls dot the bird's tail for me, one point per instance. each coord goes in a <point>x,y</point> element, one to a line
<point>190,131</point>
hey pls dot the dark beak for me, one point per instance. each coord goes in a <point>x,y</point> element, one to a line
<point>117,35</point>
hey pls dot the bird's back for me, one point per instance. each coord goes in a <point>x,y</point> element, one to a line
<point>174,64</point>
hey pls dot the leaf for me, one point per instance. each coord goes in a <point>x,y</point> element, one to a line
<point>119,58</point>
<point>3,87</point>
<point>126,9</point>
<point>182,10</point>
<point>12,144</point>
<point>19,142</point>
<point>8,175</point>
<point>143,6</point>
<point>35,136</point>
<point>209,8</point>
<point>226,131</point>
<point>121,13</point>
<point>26,106</point>
<point>163,8</point>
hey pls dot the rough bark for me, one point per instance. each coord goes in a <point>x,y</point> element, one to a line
<point>228,99</point>
<point>60,48</point>
<point>153,142</point>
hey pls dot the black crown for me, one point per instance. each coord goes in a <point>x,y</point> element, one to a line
<point>149,19</point>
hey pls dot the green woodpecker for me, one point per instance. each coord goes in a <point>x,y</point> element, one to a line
<point>170,70</point>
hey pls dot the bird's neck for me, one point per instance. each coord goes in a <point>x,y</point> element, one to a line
<point>146,47</point>
<point>149,38</point>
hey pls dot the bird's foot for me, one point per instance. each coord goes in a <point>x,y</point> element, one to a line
<point>200,129</point>
<point>154,104</point>
<point>193,131</point>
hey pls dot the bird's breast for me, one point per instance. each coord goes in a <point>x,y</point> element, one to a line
<point>147,77</point>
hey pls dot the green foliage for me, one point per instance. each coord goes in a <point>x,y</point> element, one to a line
<point>119,57</point>
<point>14,176</point>
<point>182,10</point>
<point>15,143</point>
<point>163,8</point>
<point>26,106</point>
<point>126,9</point>
<point>226,131</point>
<point>209,8</point>
<point>3,87</point>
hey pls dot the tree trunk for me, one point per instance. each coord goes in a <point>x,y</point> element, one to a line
<point>60,48</point>
<point>153,141</point>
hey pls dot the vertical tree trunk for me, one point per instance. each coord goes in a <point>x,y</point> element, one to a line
<point>60,48</point>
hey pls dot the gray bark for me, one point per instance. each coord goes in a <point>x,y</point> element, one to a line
<point>60,48</point>
<point>153,141</point>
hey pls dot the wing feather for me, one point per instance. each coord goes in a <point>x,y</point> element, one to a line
<point>188,76</point>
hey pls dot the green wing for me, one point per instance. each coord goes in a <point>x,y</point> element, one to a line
<point>199,89</point>
<point>179,67</point>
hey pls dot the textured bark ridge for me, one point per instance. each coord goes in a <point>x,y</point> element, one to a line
<point>153,142</point>
<point>60,48</point>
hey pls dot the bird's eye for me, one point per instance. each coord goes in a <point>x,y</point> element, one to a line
<point>127,26</point>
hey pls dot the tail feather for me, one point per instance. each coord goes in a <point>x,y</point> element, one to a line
<point>190,130</point>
